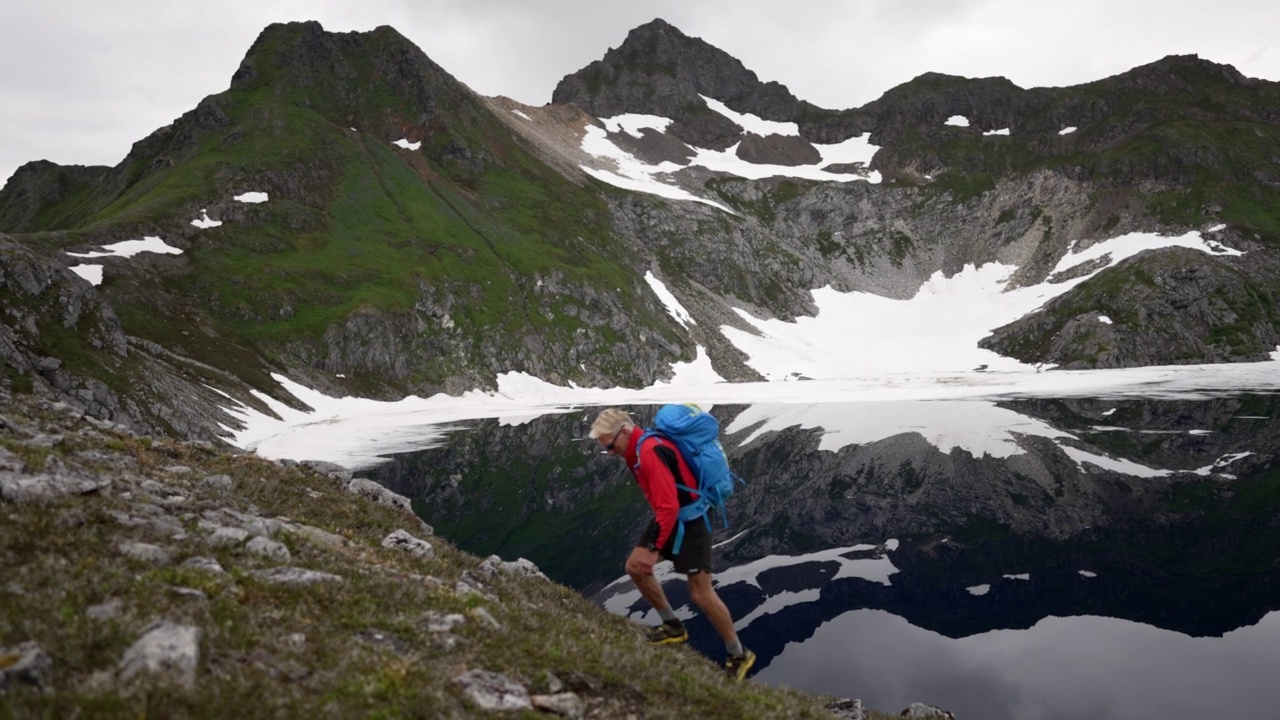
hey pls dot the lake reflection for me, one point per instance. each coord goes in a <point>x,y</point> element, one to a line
<point>1068,668</point>
<point>1022,558</point>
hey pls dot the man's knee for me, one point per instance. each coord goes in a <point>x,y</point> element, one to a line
<point>700,589</point>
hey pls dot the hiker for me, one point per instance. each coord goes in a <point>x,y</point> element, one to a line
<point>656,467</point>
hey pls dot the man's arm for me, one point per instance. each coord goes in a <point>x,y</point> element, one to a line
<point>659,487</point>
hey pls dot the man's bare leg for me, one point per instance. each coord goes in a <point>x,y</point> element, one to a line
<point>642,575</point>
<point>705,597</point>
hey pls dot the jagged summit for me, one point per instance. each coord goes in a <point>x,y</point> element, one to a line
<point>660,70</point>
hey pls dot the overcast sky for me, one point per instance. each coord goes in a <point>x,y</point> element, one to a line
<point>82,80</point>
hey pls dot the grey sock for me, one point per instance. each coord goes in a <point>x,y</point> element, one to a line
<point>669,616</point>
<point>734,648</point>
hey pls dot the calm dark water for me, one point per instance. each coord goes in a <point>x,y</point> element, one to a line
<point>1015,559</point>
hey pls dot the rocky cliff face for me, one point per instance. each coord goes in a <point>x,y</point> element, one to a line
<point>60,340</point>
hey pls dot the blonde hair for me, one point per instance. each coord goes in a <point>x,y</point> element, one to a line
<point>609,422</point>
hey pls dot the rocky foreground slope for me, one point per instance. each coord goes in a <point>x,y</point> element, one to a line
<point>163,578</point>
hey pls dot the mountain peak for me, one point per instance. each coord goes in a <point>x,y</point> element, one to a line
<point>660,70</point>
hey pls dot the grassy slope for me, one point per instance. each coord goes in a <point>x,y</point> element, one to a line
<point>354,224</point>
<point>59,555</point>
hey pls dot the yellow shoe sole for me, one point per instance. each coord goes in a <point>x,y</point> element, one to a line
<point>741,671</point>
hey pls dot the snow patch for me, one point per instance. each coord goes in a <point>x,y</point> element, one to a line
<point>404,143</point>
<point>669,301</point>
<point>634,123</point>
<point>1104,320</point>
<point>129,248</point>
<point>957,121</point>
<point>1001,131</point>
<point>204,223</point>
<point>92,273</point>
<point>753,123</point>
<point>521,114</point>
<point>1019,576</point>
<point>979,589</point>
<point>251,197</point>
<point>1088,574</point>
<point>1067,130</point>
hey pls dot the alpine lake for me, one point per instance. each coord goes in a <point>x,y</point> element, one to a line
<point>1017,558</point>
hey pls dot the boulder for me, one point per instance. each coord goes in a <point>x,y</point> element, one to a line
<point>494,691</point>
<point>269,549</point>
<point>165,648</point>
<point>204,564</point>
<point>145,552</point>
<point>920,711</point>
<point>375,492</point>
<point>565,704</point>
<point>402,540</point>
<point>26,664</point>
<point>494,565</point>
<point>295,576</point>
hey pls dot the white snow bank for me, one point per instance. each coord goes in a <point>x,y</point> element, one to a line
<point>1001,131</point>
<point>634,174</point>
<point>633,123</point>
<point>753,123</point>
<point>129,248</point>
<point>404,143</point>
<point>251,197</point>
<point>979,589</point>
<point>92,273</point>
<point>957,121</point>
<point>669,301</point>
<point>937,330</point>
<point>204,223</point>
<point>521,114</point>
<point>1067,130</point>
<point>696,373</point>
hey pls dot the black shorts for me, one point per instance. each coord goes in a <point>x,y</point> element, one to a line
<point>695,550</point>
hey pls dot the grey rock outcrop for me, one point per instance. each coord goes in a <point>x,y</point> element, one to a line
<point>920,711</point>
<point>565,704</point>
<point>402,540</point>
<point>295,576</point>
<point>269,549</point>
<point>165,648</point>
<point>145,552</point>
<point>493,691</point>
<point>379,494</point>
<point>494,565</point>
<point>25,664</point>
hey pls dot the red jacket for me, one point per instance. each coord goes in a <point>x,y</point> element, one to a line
<point>656,481</point>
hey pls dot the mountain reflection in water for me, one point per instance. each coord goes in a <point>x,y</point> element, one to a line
<point>1024,558</point>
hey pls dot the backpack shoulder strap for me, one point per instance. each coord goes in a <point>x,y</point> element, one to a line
<point>669,455</point>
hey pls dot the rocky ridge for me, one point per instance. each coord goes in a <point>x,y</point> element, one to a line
<point>146,575</point>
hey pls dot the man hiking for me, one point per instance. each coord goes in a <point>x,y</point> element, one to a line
<point>656,467</point>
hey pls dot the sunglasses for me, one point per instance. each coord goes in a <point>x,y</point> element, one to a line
<point>610,447</point>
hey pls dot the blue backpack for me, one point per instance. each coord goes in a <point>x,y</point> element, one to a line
<point>696,434</point>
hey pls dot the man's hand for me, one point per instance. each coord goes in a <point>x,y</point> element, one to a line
<point>642,561</point>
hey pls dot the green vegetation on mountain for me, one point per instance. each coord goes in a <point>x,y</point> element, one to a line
<point>452,241</point>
